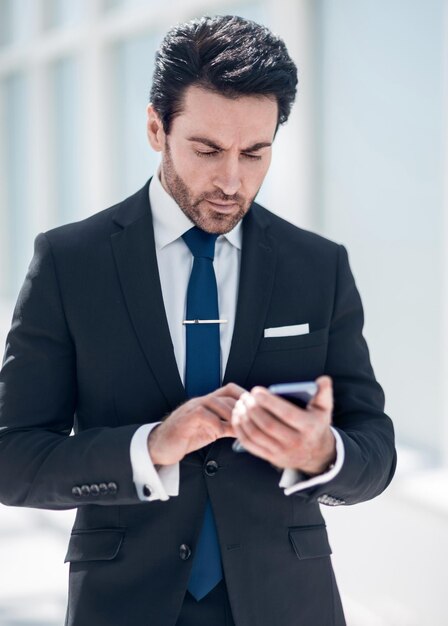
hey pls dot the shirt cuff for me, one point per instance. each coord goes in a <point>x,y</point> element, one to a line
<point>291,481</point>
<point>151,484</point>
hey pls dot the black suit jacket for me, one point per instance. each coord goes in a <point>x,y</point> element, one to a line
<point>90,349</point>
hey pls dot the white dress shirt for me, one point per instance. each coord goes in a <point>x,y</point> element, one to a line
<point>175,261</point>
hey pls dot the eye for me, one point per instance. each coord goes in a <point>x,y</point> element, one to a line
<point>252,157</point>
<point>206,154</point>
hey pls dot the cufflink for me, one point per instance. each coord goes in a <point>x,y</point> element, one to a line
<point>147,492</point>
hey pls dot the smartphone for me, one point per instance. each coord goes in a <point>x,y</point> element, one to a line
<point>298,393</point>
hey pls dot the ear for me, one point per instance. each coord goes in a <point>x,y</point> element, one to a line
<point>154,129</point>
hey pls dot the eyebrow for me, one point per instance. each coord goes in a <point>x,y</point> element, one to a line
<point>212,144</point>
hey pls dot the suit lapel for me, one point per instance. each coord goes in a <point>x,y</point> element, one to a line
<point>135,256</point>
<point>259,253</point>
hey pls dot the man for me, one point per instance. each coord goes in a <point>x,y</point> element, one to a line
<point>142,327</point>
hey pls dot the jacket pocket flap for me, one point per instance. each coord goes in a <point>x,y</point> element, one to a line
<point>310,542</point>
<point>94,545</point>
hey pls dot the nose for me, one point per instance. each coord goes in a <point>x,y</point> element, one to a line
<point>227,175</point>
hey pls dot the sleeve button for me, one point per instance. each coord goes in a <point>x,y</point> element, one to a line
<point>113,488</point>
<point>94,490</point>
<point>103,488</point>
<point>76,491</point>
<point>85,490</point>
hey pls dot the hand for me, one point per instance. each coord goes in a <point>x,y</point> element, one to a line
<point>284,434</point>
<point>193,425</point>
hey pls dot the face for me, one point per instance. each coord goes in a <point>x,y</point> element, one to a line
<point>216,155</point>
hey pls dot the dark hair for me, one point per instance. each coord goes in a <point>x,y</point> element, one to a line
<point>225,54</point>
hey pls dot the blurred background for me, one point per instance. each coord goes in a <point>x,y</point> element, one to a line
<point>363,161</point>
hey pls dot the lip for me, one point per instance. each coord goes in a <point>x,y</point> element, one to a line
<point>224,207</point>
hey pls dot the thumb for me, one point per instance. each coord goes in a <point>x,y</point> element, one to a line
<point>323,399</point>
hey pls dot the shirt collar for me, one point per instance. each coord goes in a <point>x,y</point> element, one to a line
<point>170,222</point>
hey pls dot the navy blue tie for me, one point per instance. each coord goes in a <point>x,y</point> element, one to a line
<point>203,375</point>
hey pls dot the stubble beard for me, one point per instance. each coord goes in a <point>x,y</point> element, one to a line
<point>206,219</point>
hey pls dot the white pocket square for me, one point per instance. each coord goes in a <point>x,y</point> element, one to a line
<point>287,331</point>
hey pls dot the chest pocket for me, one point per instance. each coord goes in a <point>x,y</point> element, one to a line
<point>289,359</point>
<point>316,338</point>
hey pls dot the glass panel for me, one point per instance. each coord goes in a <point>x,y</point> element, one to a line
<point>5,22</point>
<point>114,4</point>
<point>382,127</point>
<point>63,13</point>
<point>16,174</point>
<point>135,160</point>
<point>66,132</point>
<point>16,21</point>
<point>250,10</point>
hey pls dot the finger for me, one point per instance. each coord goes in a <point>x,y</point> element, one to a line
<point>226,429</point>
<point>285,411</point>
<point>231,389</point>
<point>213,423</point>
<point>252,445</point>
<point>267,422</point>
<point>274,428</point>
<point>221,406</point>
<point>323,400</point>
<point>250,430</point>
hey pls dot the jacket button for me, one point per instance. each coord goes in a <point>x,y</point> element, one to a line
<point>211,468</point>
<point>112,487</point>
<point>94,490</point>
<point>85,490</point>
<point>147,491</point>
<point>184,552</point>
<point>76,491</point>
<point>103,488</point>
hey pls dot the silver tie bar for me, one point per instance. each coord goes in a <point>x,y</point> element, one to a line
<point>205,322</point>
